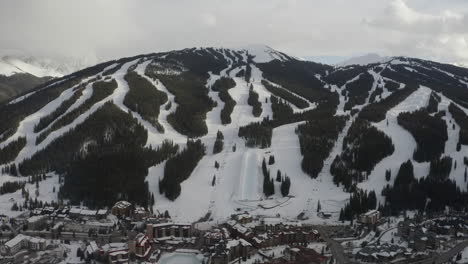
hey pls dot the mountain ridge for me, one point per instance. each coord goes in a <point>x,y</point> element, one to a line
<point>299,106</point>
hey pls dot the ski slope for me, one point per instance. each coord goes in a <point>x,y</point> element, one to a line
<point>239,179</point>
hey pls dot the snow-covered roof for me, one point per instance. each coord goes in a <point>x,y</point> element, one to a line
<point>15,241</point>
<point>35,218</point>
<point>122,204</point>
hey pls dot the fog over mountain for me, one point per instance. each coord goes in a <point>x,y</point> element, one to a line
<point>429,29</point>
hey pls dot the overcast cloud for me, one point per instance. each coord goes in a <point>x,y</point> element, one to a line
<point>106,29</point>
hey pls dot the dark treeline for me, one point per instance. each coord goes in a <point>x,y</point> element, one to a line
<point>342,75</point>
<point>12,114</point>
<point>10,169</point>
<point>359,202</point>
<point>106,175</point>
<point>434,79</point>
<point>222,85</point>
<point>60,110</point>
<point>200,62</point>
<point>144,98</point>
<point>462,120</point>
<point>431,193</point>
<point>299,77</point>
<point>375,94</point>
<point>430,133</point>
<point>112,70</point>
<point>317,138</point>
<point>363,147</point>
<point>101,90</point>
<point>248,70</point>
<point>268,182</point>
<point>10,151</point>
<point>257,134</point>
<point>285,95</point>
<point>108,126</point>
<point>391,86</point>
<point>376,112</point>
<point>281,110</point>
<point>254,102</point>
<point>102,159</point>
<point>192,98</point>
<point>179,167</point>
<point>433,105</point>
<point>11,187</point>
<point>358,90</point>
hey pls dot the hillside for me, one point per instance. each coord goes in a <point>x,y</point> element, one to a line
<point>19,73</point>
<point>206,132</point>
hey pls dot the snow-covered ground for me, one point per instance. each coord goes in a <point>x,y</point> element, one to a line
<point>464,257</point>
<point>47,192</point>
<point>402,140</point>
<point>238,180</point>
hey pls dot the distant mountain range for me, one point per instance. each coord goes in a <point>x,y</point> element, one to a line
<point>19,73</point>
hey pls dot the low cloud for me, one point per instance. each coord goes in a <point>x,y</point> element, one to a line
<point>441,36</point>
<point>108,29</point>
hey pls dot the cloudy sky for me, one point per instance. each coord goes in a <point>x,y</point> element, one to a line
<point>106,29</point>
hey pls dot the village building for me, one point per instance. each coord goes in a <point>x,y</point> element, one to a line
<point>114,253</point>
<point>419,238</point>
<point>215,236</point>
<point>102,214</point>
<point>244,218</point>
<point>140,246</point>
<point>239,230</point>
<point>20,241</point>
<point>36,222</point>
<point>169,229</point>
<point>74,212</point>
<point>229,251</point>
<point>122,208</point>
<point>383,253</point>
<point>140,213</point>
<point>92,250</point>
<point>371,217</point>
<point>118,256</point>
<point>304,255</point>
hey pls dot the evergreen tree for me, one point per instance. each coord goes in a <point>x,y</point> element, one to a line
<point>216,164</point>
<point>388,175</point>
<point>219,144</point>
<point>285,185</point>
<point>264,167</point>
<point>219,135</point>
<point>271,160</point>
<point>278,176</point>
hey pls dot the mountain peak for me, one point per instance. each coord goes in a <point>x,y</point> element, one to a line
<point>263,53</point>
<point>363,60</point>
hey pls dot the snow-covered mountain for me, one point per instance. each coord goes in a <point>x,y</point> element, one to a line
<point>363,60</point>
<point>40,66</point>
<point>20,72</point>
<point>206,132</point>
